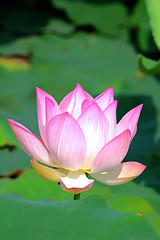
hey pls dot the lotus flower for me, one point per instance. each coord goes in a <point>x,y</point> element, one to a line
<point>79,136</point>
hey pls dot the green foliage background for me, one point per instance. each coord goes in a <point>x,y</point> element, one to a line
<point>54,44</point>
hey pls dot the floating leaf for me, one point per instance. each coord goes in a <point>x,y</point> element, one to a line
<point>58,26</point>
<point>153,7</point>
<point>100,15</point>
<point>148,66</point>
<point>14,63</point>
<point>10,161</point>
<point>139,20</point>
<point>88,218</point>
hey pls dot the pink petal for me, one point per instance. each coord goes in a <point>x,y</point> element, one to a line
<point>110,114</point>
<point>95,128</point>
<point>112,153</point>
<point>66,101</point>
<point>76,182</point>
<point>85,105</point>
<point>105,98</point>
<point>66,141</point>
<point>73,101</point>
<point>50,110</point>
<point>129,121</point>
<point>125,172</point>
<point>48,173</point>
<point>41,111</point>
<point>30,143</point>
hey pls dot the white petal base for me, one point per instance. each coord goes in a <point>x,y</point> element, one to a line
<point>76,182</point>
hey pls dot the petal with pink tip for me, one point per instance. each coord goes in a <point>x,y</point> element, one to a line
<point>76,182</point>
<point>129,121</point>
<point>65,102</point>
<point>124,173</point>
<point>73,101</point>
<point>48,173</point>
<point>30,143</point>
<point>41,110</point>
<point>89,97</point>
<point>66,141</point>
<point>105,98</point>
<point>85,105</point>
<point>112,153</point>
<point>110,114</point>
<point>95,128</point>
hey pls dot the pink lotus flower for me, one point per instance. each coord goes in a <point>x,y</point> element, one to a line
<point>79,136</point>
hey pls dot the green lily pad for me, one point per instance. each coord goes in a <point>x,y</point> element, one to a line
<point>87,218</point>
<point>12,161</point>
<point>99,15</point>
<point>153,7</point>
<point>57,26</point>
<point>148,66</point>
<point>139,21</point>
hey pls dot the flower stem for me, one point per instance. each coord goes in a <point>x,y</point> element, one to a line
<point>77,196</point>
